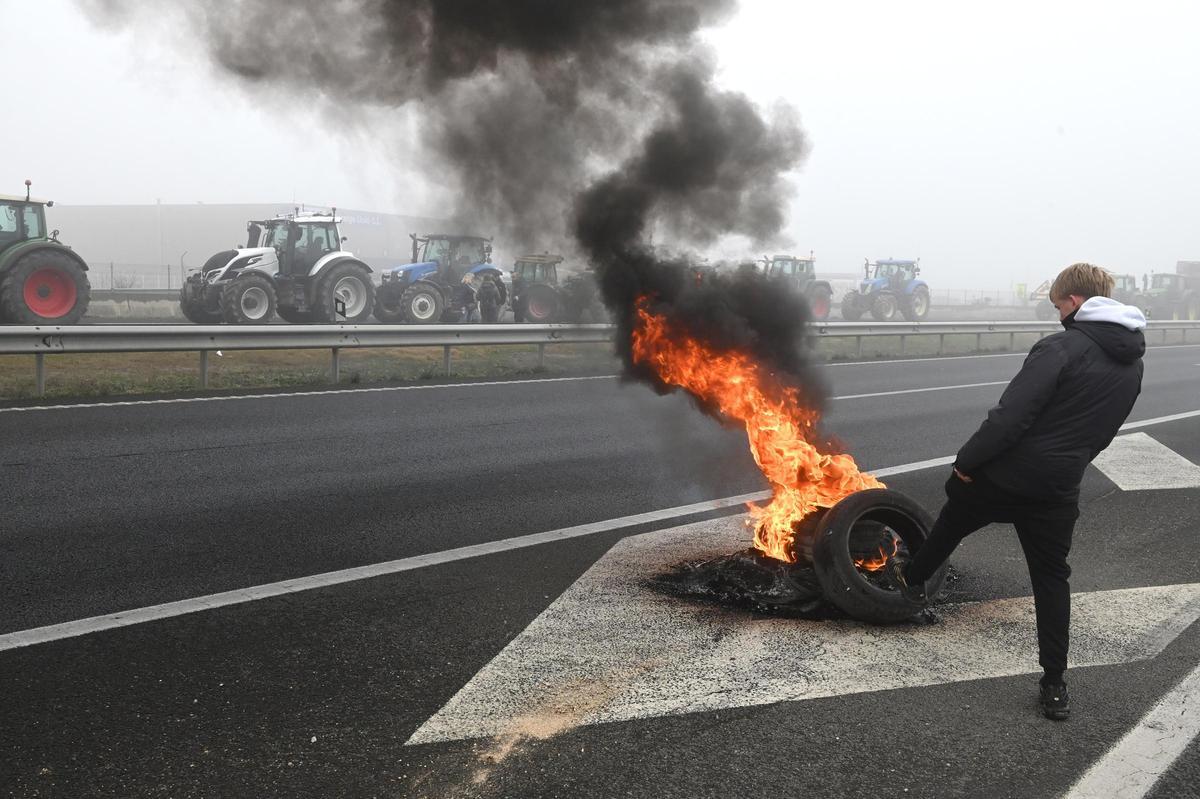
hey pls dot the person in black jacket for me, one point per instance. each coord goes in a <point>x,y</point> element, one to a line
<point>1024,464</point>
<point>489,301</point>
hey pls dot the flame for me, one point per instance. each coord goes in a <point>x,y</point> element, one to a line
<point>875,564</point>
<point>777,423</point>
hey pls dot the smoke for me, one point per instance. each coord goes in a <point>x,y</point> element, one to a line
<point>591,126</point>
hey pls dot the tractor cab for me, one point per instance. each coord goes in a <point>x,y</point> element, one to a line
<point>1165,282</point>
<point>299,242</point>
<point>42,281</point>
<point>889,274</point>
<point>530,270</point>
<point>536,296</point>
<point>788,266</point>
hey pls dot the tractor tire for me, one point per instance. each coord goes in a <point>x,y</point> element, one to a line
<point>345,285</point>
<point>423,303</point>
<point>542,305</point>
<point>293,316</point>
<point>883,306</point>
<point>248,300</point>
<point>389,305</point>
<point>820,301</point>
<point>44,287</point>
<point>917,306</point>
<point>854,525</point>
<point>852,309</point>
<point>196,312</point>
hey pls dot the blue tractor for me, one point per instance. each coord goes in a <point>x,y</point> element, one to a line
<point>423,292</point>
<point>888,288</point>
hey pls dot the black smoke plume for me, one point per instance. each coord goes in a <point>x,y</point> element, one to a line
<point>596,121</point>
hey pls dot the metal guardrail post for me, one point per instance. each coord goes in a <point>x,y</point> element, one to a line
<point>858,346</point>
<point>335,366</point>
<point>39,368</point>
<point>902,339</point>
<point>446,360</point>
<point>979,342</point>
<point>541,356</point>
<point>203,368</point>
<point>1012,341</point>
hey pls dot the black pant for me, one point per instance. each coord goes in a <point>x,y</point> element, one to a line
<point>1045,534</point>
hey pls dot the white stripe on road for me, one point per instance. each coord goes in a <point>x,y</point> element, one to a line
<point>70,629</point>
<point>1136,462</point>
<point>1132,767</point>
<point>920,390</point>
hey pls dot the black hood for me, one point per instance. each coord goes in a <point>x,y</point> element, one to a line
<point>1118,342</point>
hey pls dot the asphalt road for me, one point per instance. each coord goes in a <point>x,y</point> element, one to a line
<point>112,508</point>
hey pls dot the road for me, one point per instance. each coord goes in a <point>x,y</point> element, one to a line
<point>117,507</point>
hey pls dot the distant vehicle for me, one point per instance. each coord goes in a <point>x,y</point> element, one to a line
<point>541,296</point>
<point>1173,296</point>
<point>801,275</point>
<point>292,265</point>
<point>888,288</point>
<point>422,292</point>
<point>42,280</point>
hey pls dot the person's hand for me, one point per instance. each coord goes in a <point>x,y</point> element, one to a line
<point>962,476</point>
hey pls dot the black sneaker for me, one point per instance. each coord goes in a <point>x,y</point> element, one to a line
<point>1055,701</point>
<point>913,593</point>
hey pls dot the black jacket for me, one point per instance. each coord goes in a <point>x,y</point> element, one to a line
<point>1070,398</point>
<point>489,295</point>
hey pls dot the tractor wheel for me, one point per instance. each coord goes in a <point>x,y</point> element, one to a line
<point>542,306</point>
<point>248,300</point>
<point>194,310</point>
<point>348,287</point>
<point>293,316</point>
<point>883,306</point>
<point>422,303</point>
<point>852,309</point>
<point>389,305</point>
<point>851,546</point>
<point>820,300</point>
<point>44,287</point>
<point>917,307</point>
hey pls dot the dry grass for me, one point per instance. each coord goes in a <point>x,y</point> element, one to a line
<point>109,374</point>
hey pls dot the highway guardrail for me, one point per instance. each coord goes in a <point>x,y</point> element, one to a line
<point>42,340</point>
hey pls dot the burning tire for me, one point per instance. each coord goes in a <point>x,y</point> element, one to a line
<point>44,287</point>
<point>820,301</point>
<point>851,545</point>
<point>248,300</point>
<point>422,304</point>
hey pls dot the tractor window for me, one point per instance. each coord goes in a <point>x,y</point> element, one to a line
<point>33,223</point>
<point>468,252</point>
<point>782,268</point>
<point>436,250</point>
<point>8,221</point>
<point>277,235</point>
<point>1162,281</point>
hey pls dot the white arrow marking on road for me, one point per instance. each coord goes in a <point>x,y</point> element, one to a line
<point>1136,462</point>
<point>611,648</point>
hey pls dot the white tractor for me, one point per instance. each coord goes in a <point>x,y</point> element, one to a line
<point>292,265</point>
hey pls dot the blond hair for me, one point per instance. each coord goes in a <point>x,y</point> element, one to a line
<point>1083,280</point>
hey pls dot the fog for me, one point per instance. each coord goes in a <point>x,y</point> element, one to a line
<point>995,147</point>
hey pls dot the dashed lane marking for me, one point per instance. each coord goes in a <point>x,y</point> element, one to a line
<point>70,629</point>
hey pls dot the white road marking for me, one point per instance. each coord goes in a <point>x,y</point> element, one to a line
<point>70,629</point>
<point>1136,462</point>
<point>1132,767</point>
<point>650,654</point>
<point>920,390</point>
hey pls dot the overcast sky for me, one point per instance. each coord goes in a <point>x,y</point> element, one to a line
<point>997,147</point>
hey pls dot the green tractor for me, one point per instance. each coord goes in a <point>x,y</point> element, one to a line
<point>42,281</point>
<point>1172,296</point>
<point>540,297</point>
<point>801,275</point>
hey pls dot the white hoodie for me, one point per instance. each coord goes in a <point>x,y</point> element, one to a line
<point>1106,309</point>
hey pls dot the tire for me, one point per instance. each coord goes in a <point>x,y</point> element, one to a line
<point>854,525</point>
<point>350,284</point>
<point>883,306</point>
<point>389,305</point>
<point>248,300</point>
<point>917,307</point>
<point>422,304</point>
<point>542,306</point>
<point>851,308</point>
<point>44,287</point>
<point>820,301</point>
<point>195,311</point>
